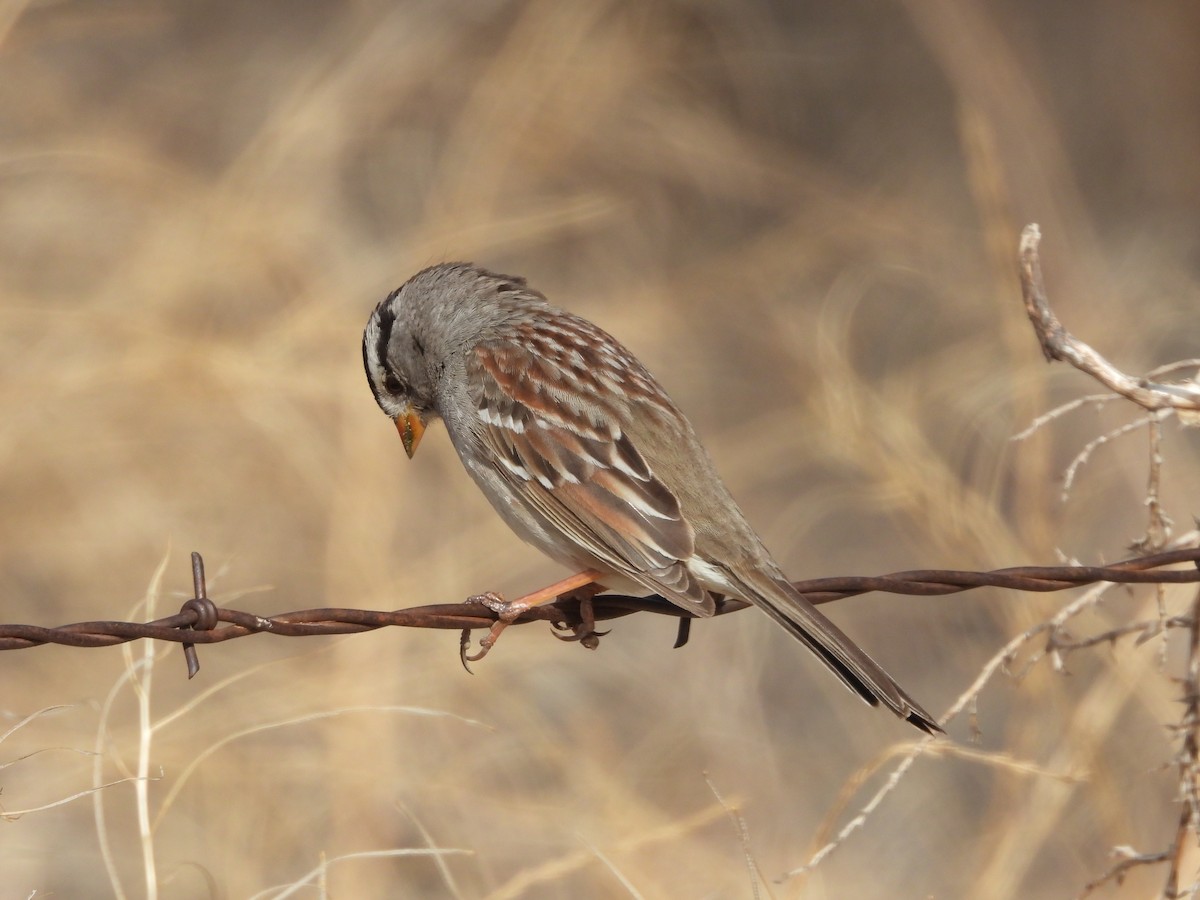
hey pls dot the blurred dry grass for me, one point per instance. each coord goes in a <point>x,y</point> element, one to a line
<point>803,219</point>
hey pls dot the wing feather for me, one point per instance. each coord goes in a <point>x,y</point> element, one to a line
<point>568,459</point>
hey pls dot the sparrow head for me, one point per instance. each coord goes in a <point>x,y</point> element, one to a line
<point>427,324</point>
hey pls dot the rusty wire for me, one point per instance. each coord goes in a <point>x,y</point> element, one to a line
<point>201,621</point>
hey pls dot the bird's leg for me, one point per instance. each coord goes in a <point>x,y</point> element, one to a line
<point>511,610</point>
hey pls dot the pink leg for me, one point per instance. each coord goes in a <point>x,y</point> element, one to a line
<point>511,610</point>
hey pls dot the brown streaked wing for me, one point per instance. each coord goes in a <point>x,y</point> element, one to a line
<point>573,465</point>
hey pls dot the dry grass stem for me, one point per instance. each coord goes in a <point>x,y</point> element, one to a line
<point>803,218</point>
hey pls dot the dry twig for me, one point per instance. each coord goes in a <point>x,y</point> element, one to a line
<point>1059,344</point>
<point>1160,400</point>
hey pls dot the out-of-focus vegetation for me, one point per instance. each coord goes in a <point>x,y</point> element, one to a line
<point>803,217</point>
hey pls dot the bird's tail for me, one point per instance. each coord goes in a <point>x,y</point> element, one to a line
<point>847,660</point>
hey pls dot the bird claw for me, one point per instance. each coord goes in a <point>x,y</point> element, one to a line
<point>587,638</point>
<point>584,631</point>
<point>581,587</point>
<point>507,610</point>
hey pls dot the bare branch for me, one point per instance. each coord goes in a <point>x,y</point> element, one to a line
<point>1060,411</point>
<point>1128,858</point>
<point>1059,344</point>
<point>1160,401</point>
<point>1085,454</point>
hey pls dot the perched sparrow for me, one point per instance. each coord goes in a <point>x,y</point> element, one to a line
<point>584,455</point>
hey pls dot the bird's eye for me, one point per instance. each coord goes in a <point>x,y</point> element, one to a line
<point>393,384</point>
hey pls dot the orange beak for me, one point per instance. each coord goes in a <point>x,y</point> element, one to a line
<point>410,427</point>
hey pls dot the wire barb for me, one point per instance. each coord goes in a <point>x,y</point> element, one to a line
<point>204,610</point>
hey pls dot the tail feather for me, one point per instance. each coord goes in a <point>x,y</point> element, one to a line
<point>847,660</point>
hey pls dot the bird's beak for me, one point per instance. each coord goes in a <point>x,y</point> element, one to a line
<point>410,426</point>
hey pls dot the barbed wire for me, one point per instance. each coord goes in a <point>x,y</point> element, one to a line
<point>201,621</point>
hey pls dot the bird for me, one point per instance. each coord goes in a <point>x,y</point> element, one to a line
<point>585,456</point>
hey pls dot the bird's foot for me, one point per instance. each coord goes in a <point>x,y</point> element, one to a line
<point>584,631</point>
<point>509,611</point>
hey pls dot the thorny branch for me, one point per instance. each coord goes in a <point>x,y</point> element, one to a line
<point>1160,400</point>
<point>1186,759</point>
<point>1189,785</point>
<point>1059,344</point>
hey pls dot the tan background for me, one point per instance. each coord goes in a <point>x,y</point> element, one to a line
<point>802,219</point>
